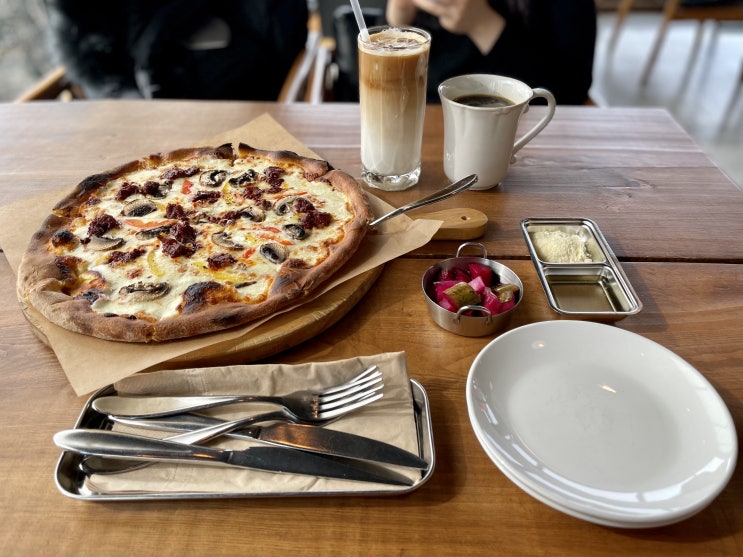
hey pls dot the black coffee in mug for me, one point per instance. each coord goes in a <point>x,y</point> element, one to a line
<point>484,100</point>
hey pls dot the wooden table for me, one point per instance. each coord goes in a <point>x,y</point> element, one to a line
<point>671,216</point>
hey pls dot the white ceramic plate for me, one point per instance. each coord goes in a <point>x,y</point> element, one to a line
<point>600,423</point>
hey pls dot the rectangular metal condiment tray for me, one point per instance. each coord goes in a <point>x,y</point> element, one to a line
<point>598,289</point>
<point>70,479</point>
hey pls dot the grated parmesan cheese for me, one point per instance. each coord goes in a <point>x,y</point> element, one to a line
<point>557,246</point>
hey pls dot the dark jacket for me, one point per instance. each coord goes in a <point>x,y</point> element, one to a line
<point>552,48</point>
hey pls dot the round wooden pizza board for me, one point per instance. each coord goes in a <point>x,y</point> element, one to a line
<point>280,333</point>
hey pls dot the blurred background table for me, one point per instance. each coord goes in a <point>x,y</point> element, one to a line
<point>670,215</point>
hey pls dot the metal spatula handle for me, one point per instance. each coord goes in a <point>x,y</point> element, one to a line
<point>448,191</point>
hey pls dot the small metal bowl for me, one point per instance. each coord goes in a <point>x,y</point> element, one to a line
<point>469,325</point>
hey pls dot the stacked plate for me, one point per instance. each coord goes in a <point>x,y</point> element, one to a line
<point>601,423</point>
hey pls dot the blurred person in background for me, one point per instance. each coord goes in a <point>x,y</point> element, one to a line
<point>544,43</point>
<point>199,49</point>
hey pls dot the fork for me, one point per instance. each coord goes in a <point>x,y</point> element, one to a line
<point>104,465</point>
<point>306,405</point>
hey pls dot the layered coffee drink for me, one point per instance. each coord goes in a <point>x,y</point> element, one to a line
<point>393,68</point>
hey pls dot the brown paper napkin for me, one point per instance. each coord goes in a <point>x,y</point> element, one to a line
<point>91,363</point>
<point>390,419</point>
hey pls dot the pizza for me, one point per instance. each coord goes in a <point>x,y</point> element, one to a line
<point>192,241</point>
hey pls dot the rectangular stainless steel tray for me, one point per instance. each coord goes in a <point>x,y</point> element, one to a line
<point>597,290</point>
<point>70,480</point>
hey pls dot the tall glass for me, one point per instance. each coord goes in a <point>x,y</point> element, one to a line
<point>393,69</point>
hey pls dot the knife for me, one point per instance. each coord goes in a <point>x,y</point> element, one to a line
<point>299,436</point>
<point>272,459</point>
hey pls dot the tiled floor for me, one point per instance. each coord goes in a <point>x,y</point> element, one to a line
<point>699,92</point>
<point>701,96</point>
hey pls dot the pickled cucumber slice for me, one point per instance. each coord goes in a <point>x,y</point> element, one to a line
<point>462,294</point>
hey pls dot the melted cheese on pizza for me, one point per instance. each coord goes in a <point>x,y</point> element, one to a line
<point>147,238</point>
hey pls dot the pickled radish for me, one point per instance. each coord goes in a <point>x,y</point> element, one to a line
<point>478,285</point>
<point>491,302</point>
<point>442,286</point>
<point>482,271</point>
<point>446,303</point>
<point>454,274</point>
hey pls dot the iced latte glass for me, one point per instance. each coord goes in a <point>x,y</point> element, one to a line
<point>393,68</point>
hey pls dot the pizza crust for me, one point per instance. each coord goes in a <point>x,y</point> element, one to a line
<point>47,283</point>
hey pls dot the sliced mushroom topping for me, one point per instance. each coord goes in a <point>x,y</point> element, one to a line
<point>225,240</point>
<point>245,178</point>
<point>274,252</point>
<point>138,208</point>
<point>200,217</point>
<point>284,205</point>
<point>166,187</point>
<point>153,232</point>
<point>144,291</point>
<point>256,214</point>
<point>295,231</point>
<point>212,178</point>
<point>104,243</point>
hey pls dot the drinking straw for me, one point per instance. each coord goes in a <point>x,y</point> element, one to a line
<point>360,20</point>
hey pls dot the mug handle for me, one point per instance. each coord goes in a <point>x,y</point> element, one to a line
<point>528,136</point>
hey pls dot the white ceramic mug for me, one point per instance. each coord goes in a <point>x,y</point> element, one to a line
<point>482,139</point>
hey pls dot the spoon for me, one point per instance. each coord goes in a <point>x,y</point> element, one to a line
<point>445,193</point>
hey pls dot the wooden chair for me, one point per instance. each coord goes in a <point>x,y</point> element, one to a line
<point>673,10</point>
<point>310,78</point>
<point>59,85</point>
<point>330,73</point>
<point>54,85</point>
